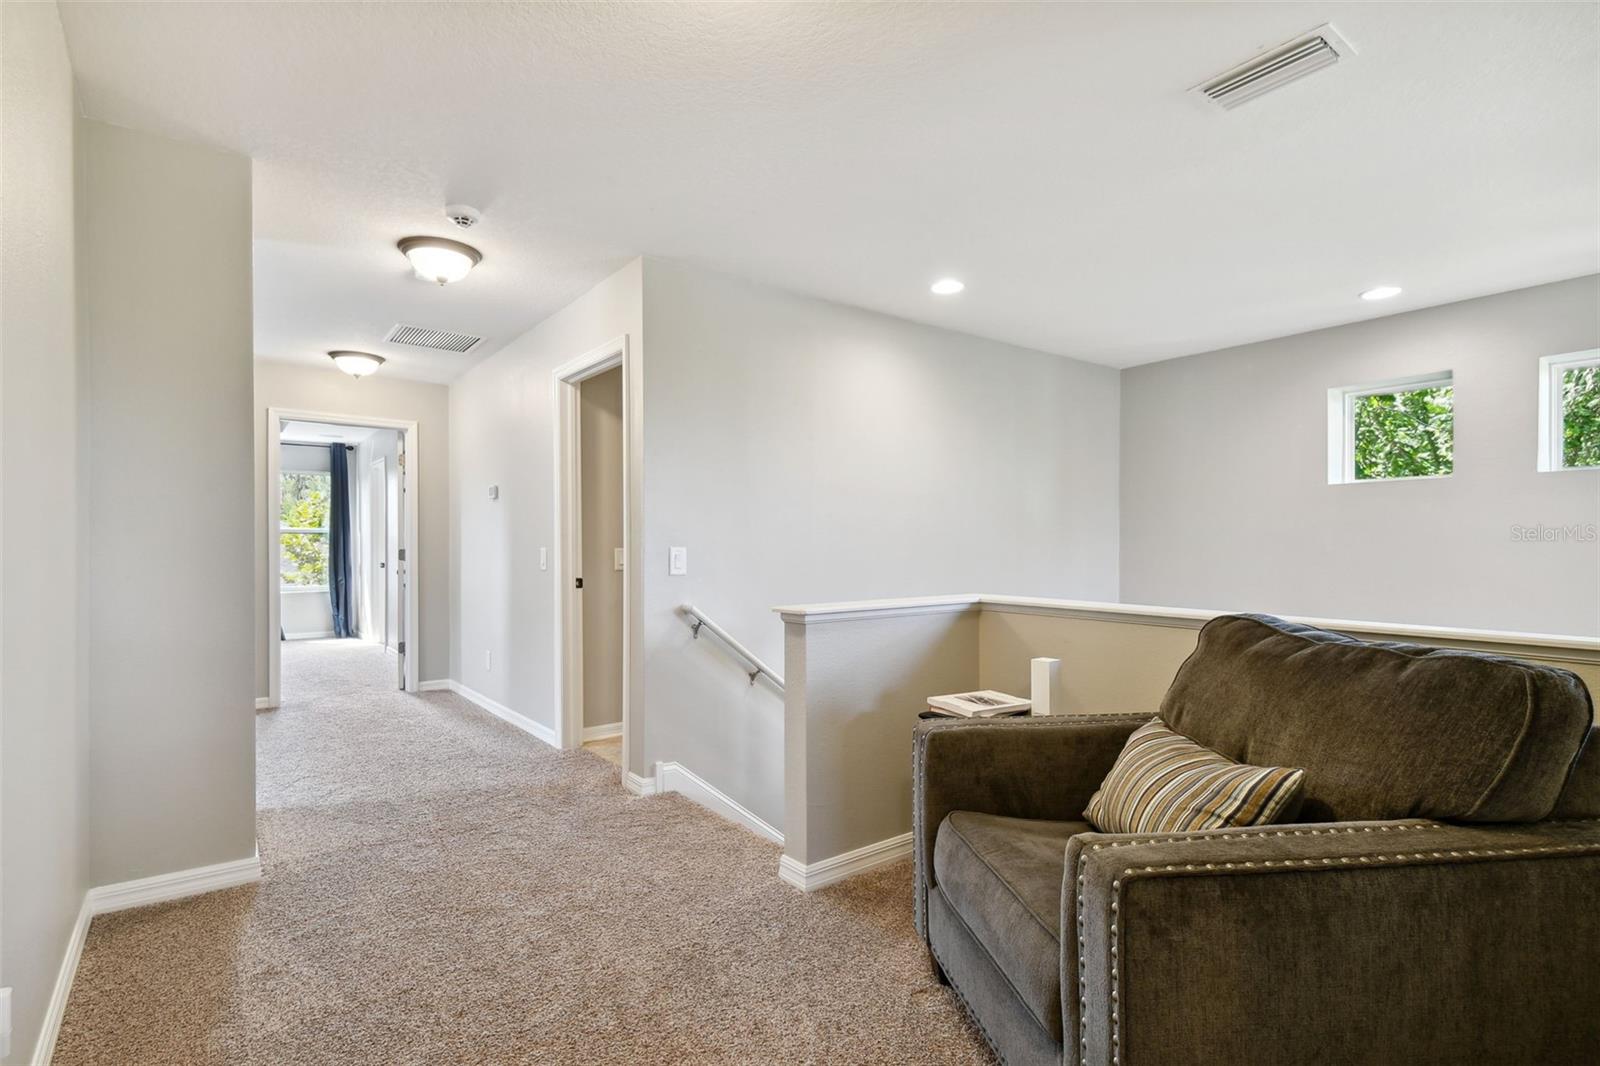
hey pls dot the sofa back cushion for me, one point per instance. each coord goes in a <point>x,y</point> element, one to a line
<point>1382,730</point>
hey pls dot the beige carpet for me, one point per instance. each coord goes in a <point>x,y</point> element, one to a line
<point>441,888</point>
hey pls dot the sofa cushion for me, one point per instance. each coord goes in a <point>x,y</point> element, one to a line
<point>1003,877</point>
<point>1383,730</point>
<point>1163,782</point>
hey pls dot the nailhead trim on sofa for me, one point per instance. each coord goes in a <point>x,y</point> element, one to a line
<point>1115,920</point>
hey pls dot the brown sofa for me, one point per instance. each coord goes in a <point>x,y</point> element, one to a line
<point>1436,901</point>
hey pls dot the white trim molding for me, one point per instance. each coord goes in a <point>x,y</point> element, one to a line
<point>537,730</point>
<point>45,1046</point>
<point>809,877</point>
<point>675,777</point>
<point>164,887</point>
<point>639,786</point>
<point>602,732</point>
<point>264,703</point>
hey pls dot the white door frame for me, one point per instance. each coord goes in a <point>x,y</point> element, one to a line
<point>564,382</point>
<point>276,416</point>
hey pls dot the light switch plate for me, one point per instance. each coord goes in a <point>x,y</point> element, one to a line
<point>677,561</point>
<point>616,558</point>
<point>488,659</point>
<point>544,558</point>
<point>494,492</point>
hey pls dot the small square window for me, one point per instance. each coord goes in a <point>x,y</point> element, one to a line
<point>1392,431</point>
<point>1569,411</point>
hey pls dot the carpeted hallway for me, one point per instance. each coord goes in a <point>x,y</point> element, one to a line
<point>441,888</point>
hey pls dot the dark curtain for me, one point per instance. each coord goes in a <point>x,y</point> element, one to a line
<point>339,566</point>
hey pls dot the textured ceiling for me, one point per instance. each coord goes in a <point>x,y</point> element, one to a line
<point>1047,154</point>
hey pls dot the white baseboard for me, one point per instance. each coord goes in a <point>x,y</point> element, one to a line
<point>310,636</point>
<point>121,896</point>
<point>45,1046</point>
<point>639,786</point>
<point>601,732</point>
<point>494,707</point>
<point>807,877</point>
<point>264,703</point>
<point>164,887</point>
<point>674,777</point>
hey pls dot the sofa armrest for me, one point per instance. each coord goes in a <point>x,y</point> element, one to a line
<point>1045,767</point>
<point>1409,941</point>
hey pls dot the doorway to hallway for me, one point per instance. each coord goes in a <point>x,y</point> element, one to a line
<point>340,517</point>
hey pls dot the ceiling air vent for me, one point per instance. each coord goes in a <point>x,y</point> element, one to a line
<point>1306,54</point>
<point>422,337</point>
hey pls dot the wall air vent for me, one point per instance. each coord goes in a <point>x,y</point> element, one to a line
<point>422,337</point>
<point>1273,69</point>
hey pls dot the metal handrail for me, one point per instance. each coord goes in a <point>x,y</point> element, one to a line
<point>697,620</point>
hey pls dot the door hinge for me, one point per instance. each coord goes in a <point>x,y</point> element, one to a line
<point>402,555</point>
<point>579,583</point>
<point>402,647</point>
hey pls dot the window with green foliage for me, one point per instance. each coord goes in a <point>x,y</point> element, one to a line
<point>1400,429</point>
<point>303,528</point>
<point>1577,389</point>
<point>1569,411</point>
<point>1409,433</point>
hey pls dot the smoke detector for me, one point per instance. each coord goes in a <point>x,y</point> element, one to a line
<point>1308,53</point>
<point>463,215</point>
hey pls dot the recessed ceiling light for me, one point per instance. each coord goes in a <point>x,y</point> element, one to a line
<point>947,287</point>
<point>356,364</point>
<point>439,258</point>
<point>1382,292</point>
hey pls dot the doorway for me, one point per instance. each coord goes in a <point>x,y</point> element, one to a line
<point>341,516</point>
<point>594,556</point>
<point>601,560</point>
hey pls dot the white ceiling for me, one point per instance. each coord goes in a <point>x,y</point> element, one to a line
<point>1047,154</point>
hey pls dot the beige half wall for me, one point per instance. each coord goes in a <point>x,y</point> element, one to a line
<point>858,674</point>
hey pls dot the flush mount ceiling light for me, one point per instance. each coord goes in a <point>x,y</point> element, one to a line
<point>439,258</point>
<point>947,287</point>
<point>356,364</point>
<point>1381,292</point>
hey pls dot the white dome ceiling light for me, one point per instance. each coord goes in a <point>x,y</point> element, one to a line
<point>440,259</point>
<point>356,364</point>
<point>1381,292</point>
<point>947,287</point>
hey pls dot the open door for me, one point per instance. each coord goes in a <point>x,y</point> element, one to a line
<point>402,567</point>
<point>379,534</point>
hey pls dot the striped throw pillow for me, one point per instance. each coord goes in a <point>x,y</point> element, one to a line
<point>1163,782</point>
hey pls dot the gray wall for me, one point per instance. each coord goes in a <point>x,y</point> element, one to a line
<point>804,451</point>
<point>501,434</point>
<point>332,391</point>
<point>1226,502</point>
<point>44,747</point>
<point>600,444</point>
<point>166,273</point>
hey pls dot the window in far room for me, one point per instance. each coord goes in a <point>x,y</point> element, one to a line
<point>1393,431</point>
<point>1569,411</point>
<point>303,520</point>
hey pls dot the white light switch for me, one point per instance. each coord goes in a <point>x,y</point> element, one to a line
<point>488,659</point>
<point>494,492</point>
<point>544,558</point>
<point>616,558</point>
<point>677,561</point>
